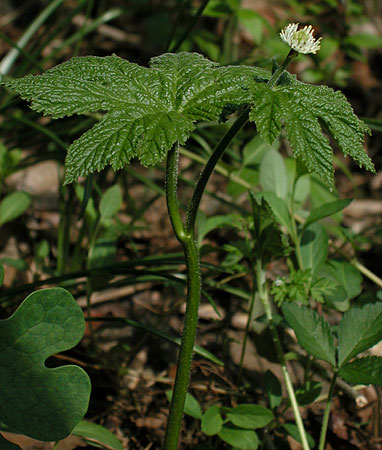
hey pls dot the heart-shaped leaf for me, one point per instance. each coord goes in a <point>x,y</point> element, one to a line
<point>42,403</point>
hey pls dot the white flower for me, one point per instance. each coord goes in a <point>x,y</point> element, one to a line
<point>302,41</point>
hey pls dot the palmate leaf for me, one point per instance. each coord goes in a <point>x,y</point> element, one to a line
<point>305,109</point>
<point>147,109</point>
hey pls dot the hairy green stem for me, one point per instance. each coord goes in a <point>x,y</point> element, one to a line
<point>193,297</point>
<point>186,236</point>
<point>263,293</point>
<point>325,419</point>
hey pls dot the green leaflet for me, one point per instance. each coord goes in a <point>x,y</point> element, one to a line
<point>304,109</point>
<point>148,109</point>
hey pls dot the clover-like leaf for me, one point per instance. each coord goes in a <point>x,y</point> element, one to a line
<point>305,109</point>
<point>363,371</point>
<point>37,401</point>
<point>360,329</point>
<point>312,331</point>
<point>148,109</point>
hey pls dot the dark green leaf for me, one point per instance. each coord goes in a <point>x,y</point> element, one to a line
<point>42,403</point>
<point>273,177</point>
<point>303,108</point>
<point>212,421</point>
<point>268,240</point>
<point>250,416</point>
<point>294,289</point>
<point>360,328</point>
<point>266,112</point>
<point>254,151</point>
<point>273,388</point>
<point>363,371</point>
<point>346,275</point>
<point>103,254</point>
<point>97,434</point>
<point>191,406</point>
<point>239,438</point>
<point>279,208</point>
<point>312,331</point>
<point>206,225</point>
<point>314,247</point>
<point>1,274</point>
<point>338,116</point>
<point>18,264</point>
<point>367,40</point>
<point>111,202</point>
<point>321,288</point>
<point>253,22</point>
<point>326,210</point>
<point>13,205</point>
<point>308,393</point>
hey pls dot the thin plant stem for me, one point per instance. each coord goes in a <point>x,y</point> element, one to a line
<point>229,47</point>
<point>187,31</point>
<point>63,232</point>
<point>280,70</point>
<point>263,294</point>
<point>295,237</point>
<point>223,144</point>
<point>181,9</point>
<point>89,288</point>
<point>210,166</point>
<point>325,419</point>
<point>193,298</point>
<point>89,8</point>
<point>248,324</point>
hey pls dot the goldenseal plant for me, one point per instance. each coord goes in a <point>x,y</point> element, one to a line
<point>148,112</point>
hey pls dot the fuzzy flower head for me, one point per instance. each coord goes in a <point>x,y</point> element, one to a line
<point>302,41</point>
